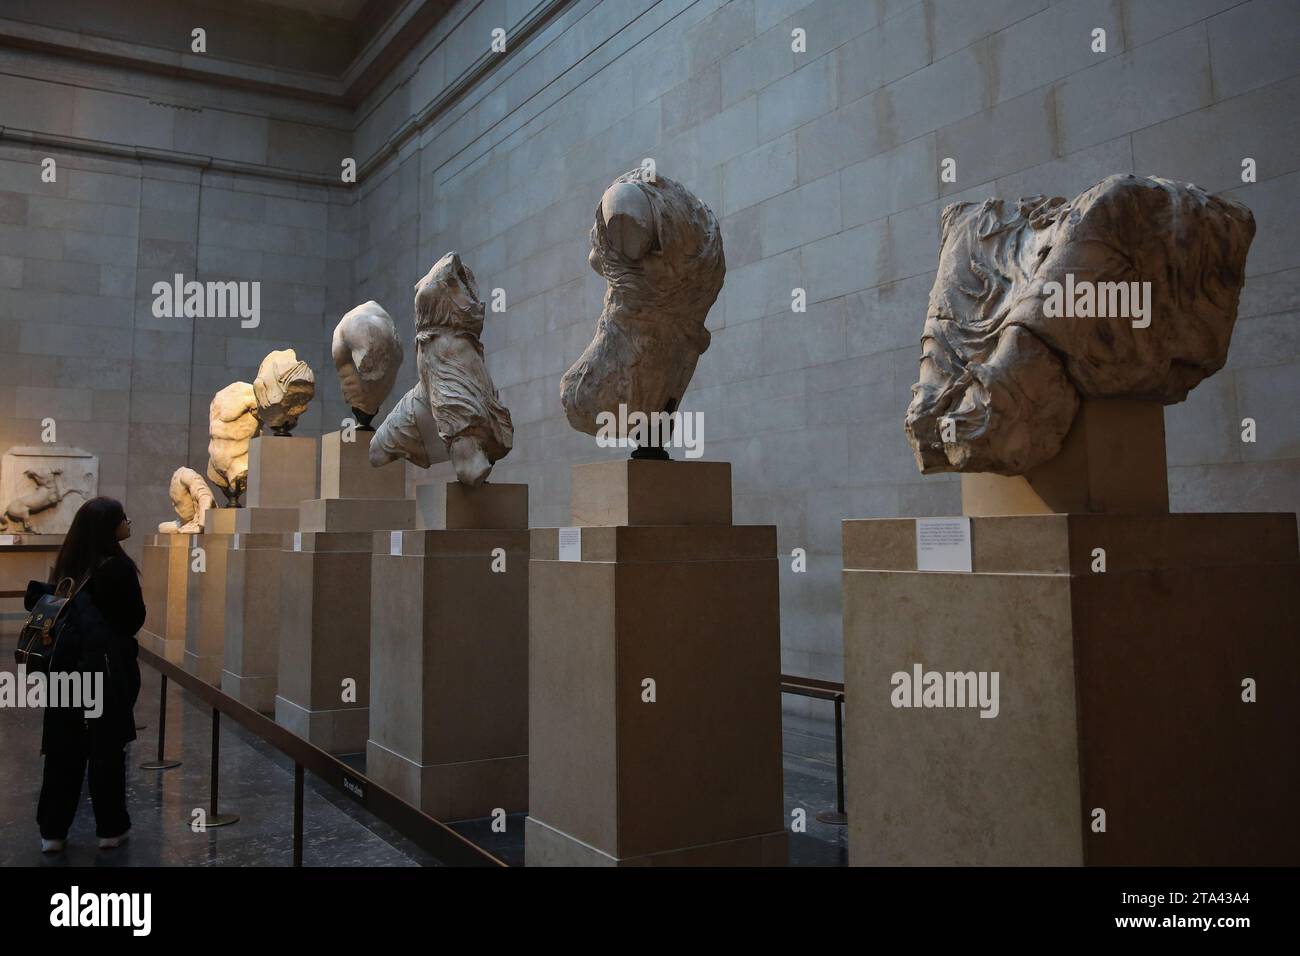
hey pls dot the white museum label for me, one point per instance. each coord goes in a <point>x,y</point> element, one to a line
<point>234,542</point>
<point>395,542</point>
<point>943,544</point>
<point>8,539</point>
<point>297,541</point>
<point>570,544</point>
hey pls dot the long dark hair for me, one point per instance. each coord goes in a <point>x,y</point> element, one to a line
<point>91,539</point>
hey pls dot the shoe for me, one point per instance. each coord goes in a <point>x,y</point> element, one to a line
<point>108,843</point>
<point>52,846</point>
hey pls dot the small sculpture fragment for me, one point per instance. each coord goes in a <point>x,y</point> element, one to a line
<point>455,387</point>
<point>232,423</point>
<point>191,498</point>
<point>660,251</point>
<point>367,355</point>
<point>1127,291</point>
<point>284,386</point>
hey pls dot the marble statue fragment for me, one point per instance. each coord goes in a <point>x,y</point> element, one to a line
<point>455,398</point>
<point>409,431</point>
<point>232,423</point>
<point>367,354</point>
<point>42,486</point>
<point>659,250</point>
<point>191,497</point>
<point>1129,291</point>
<point>284,386</point>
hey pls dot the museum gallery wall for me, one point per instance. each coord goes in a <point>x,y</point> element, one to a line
<point>777,278</point>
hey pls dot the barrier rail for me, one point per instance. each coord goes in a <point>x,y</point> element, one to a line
<point>825,690</point>
<point>448,846</point>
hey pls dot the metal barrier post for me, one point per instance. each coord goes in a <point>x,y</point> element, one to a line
<point>450,847</point>
<point>216,819</point>
<point>297,814</point>
<point>162,763</point>
<point>837,816</point>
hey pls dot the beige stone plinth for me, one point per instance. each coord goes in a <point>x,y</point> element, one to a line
<point>325,639</point>
<point>281,471</point>
<point>1118,690</point>
<point>250,520</point>
<point>23,558</point>
<point>251,654</point>
<point>164,580</point>
<point>695,776</point>
<point>451,506</point>
<point>1112,462</point>
<point>449,670</point>
<point>345,470</point>
<point>205,607</point>
<point>356,514</point>
<point>629,491</point>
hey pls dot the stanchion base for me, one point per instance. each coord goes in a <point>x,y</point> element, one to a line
<point>833,817</point>
<point>159,764</point>
<point>220,820</point>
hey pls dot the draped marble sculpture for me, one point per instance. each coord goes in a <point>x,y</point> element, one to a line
<point>1129,290</point>
<point>367,354</point>
<point>284,386</point>
<point>454,398</point>
<point>191,498</point>
<point>659,250</point>
<point>232,423</point>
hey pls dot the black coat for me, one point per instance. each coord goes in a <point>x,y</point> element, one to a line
<point>109,612</point>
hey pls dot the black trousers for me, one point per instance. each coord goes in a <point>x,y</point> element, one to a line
<point>61,793</point>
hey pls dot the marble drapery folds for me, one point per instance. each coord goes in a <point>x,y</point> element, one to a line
<point>1129,290</point>
<point>660,251</point>
<point>455,393</point>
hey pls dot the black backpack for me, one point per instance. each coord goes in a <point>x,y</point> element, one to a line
<point>51,641</point>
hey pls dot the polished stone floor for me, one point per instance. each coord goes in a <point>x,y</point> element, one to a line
<point>257,783</point>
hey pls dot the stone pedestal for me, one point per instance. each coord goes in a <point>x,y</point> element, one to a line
<point>23,558</point>
<point>281,471</point>
<point>451,506</point>
<point>164,581</point>
<point>354,496</point>
<point>251,655</point>
<point>223,638</point>
<point>206,606</point>
<point>1119,690</point>
<point>694,777</point>
<point>250,520</point>
<point>626,491</point>
<point>325,595</point>
<point>325,639</point>
<point>1112,461</point>
<point>449,656</point>
<point>345,470</point>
